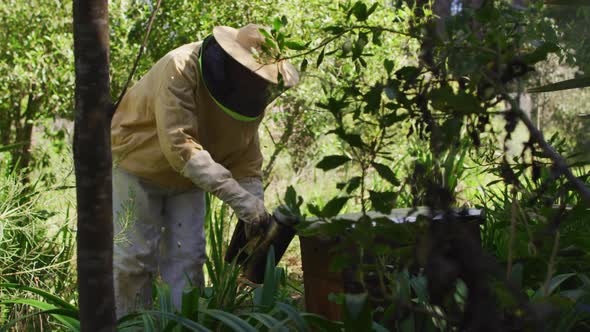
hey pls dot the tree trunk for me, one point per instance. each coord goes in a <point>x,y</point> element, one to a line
<point>21,157</point>
<point>92,159</point>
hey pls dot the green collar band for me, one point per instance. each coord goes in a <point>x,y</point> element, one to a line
<point>235,115</point>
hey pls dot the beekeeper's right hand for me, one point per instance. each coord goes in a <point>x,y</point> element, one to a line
<point>216,179</point>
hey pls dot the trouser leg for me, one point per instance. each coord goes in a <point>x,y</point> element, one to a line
<point>137,223</point>
<point>182,250</point>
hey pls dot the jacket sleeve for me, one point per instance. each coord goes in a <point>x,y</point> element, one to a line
<point>175,114</point>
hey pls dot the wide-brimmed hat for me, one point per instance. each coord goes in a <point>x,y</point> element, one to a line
<point>244,45</point>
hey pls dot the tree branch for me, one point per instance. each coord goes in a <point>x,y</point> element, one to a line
<point>558,161</point>
<point>139,54</point>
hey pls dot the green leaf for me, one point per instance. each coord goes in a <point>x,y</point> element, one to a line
<point>373,98</point>
<point>359,10</point>
<point>353,140</point>
<point>407,73</point>
<point>314,209</point>
<point>292,201</point>
<point>267,320</point>
<point>4,148</point>
<point>540,53</point>
<point>270,286</point>
<point>386,173</point>
<point>187,323</point>
<point>553,284</point>
<point>356,313</point>
<point>303,66</point>
<point>388,64</point>
<point>382,201</point>
<point>320,57</point>
<point>372,9</point>
<point>294,315</point>
<point>276,24</point>
<point>232,321</point>
<point>66,316</point>
<point>321,322</point>
<point>268,40</point>
<point>190,303</point>
<point>45,295</point>
<point>333,207</point>
<point>295,45</point>
<point>377,36</point>
<point>575,83</point>
<point>335,30</point>
<point>331,162</point>
<point>353,184</point>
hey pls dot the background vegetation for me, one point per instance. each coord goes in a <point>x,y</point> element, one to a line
<point>402,104</point>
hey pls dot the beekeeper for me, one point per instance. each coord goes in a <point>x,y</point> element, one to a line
<point>189,126</point>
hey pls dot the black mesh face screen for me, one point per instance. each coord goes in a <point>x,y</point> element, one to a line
<point>232,84</point>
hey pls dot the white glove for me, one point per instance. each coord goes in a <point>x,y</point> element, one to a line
<point>254,186</point>
<point>216,179</point>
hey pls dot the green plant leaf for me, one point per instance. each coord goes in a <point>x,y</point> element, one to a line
<point>353,140</point>
<point>353,184</point>
<point>232,321</point>
<point>553,284</point>
<point>408,73</point>
<point>190,303</point>
<point>45,295</point>
<point>187,323</point>
<point>268,40</point>
<point>359,10</point>
<point>333,207</point>
<point>575,83</point>
<point>277,24</point>
<point>322,323</point>
<point>295,45</point>
<point>66,316</point>
<point>149,325</point>
<point>303,66</point>
<point>356,313</point>
<point>382,201</point>
<point>270,287</point>
<point>386,173</point>
<point>320,57</point>
<point>4,148</point>
<point>372,9</point>
<point>334,29</point>
<point>540,53</point>
<point>388,64</point>
<point>267,320</point>
<point>331,162</point>
<point>294,315</point>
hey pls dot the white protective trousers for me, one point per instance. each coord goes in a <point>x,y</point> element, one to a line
<point>158,232</point>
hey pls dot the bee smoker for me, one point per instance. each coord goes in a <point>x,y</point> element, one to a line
<point>251,252</point>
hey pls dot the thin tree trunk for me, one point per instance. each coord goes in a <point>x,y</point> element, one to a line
<point>92,159</point>
<point>21,157</point>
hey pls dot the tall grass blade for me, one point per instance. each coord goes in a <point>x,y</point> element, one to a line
<point>230,320</point>
<point>69,318</point>
<point>47,296</point>
<point>187,323</point>
<point>294,315</point>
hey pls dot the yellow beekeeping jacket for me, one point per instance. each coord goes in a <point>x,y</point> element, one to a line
<point>168,116</point>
